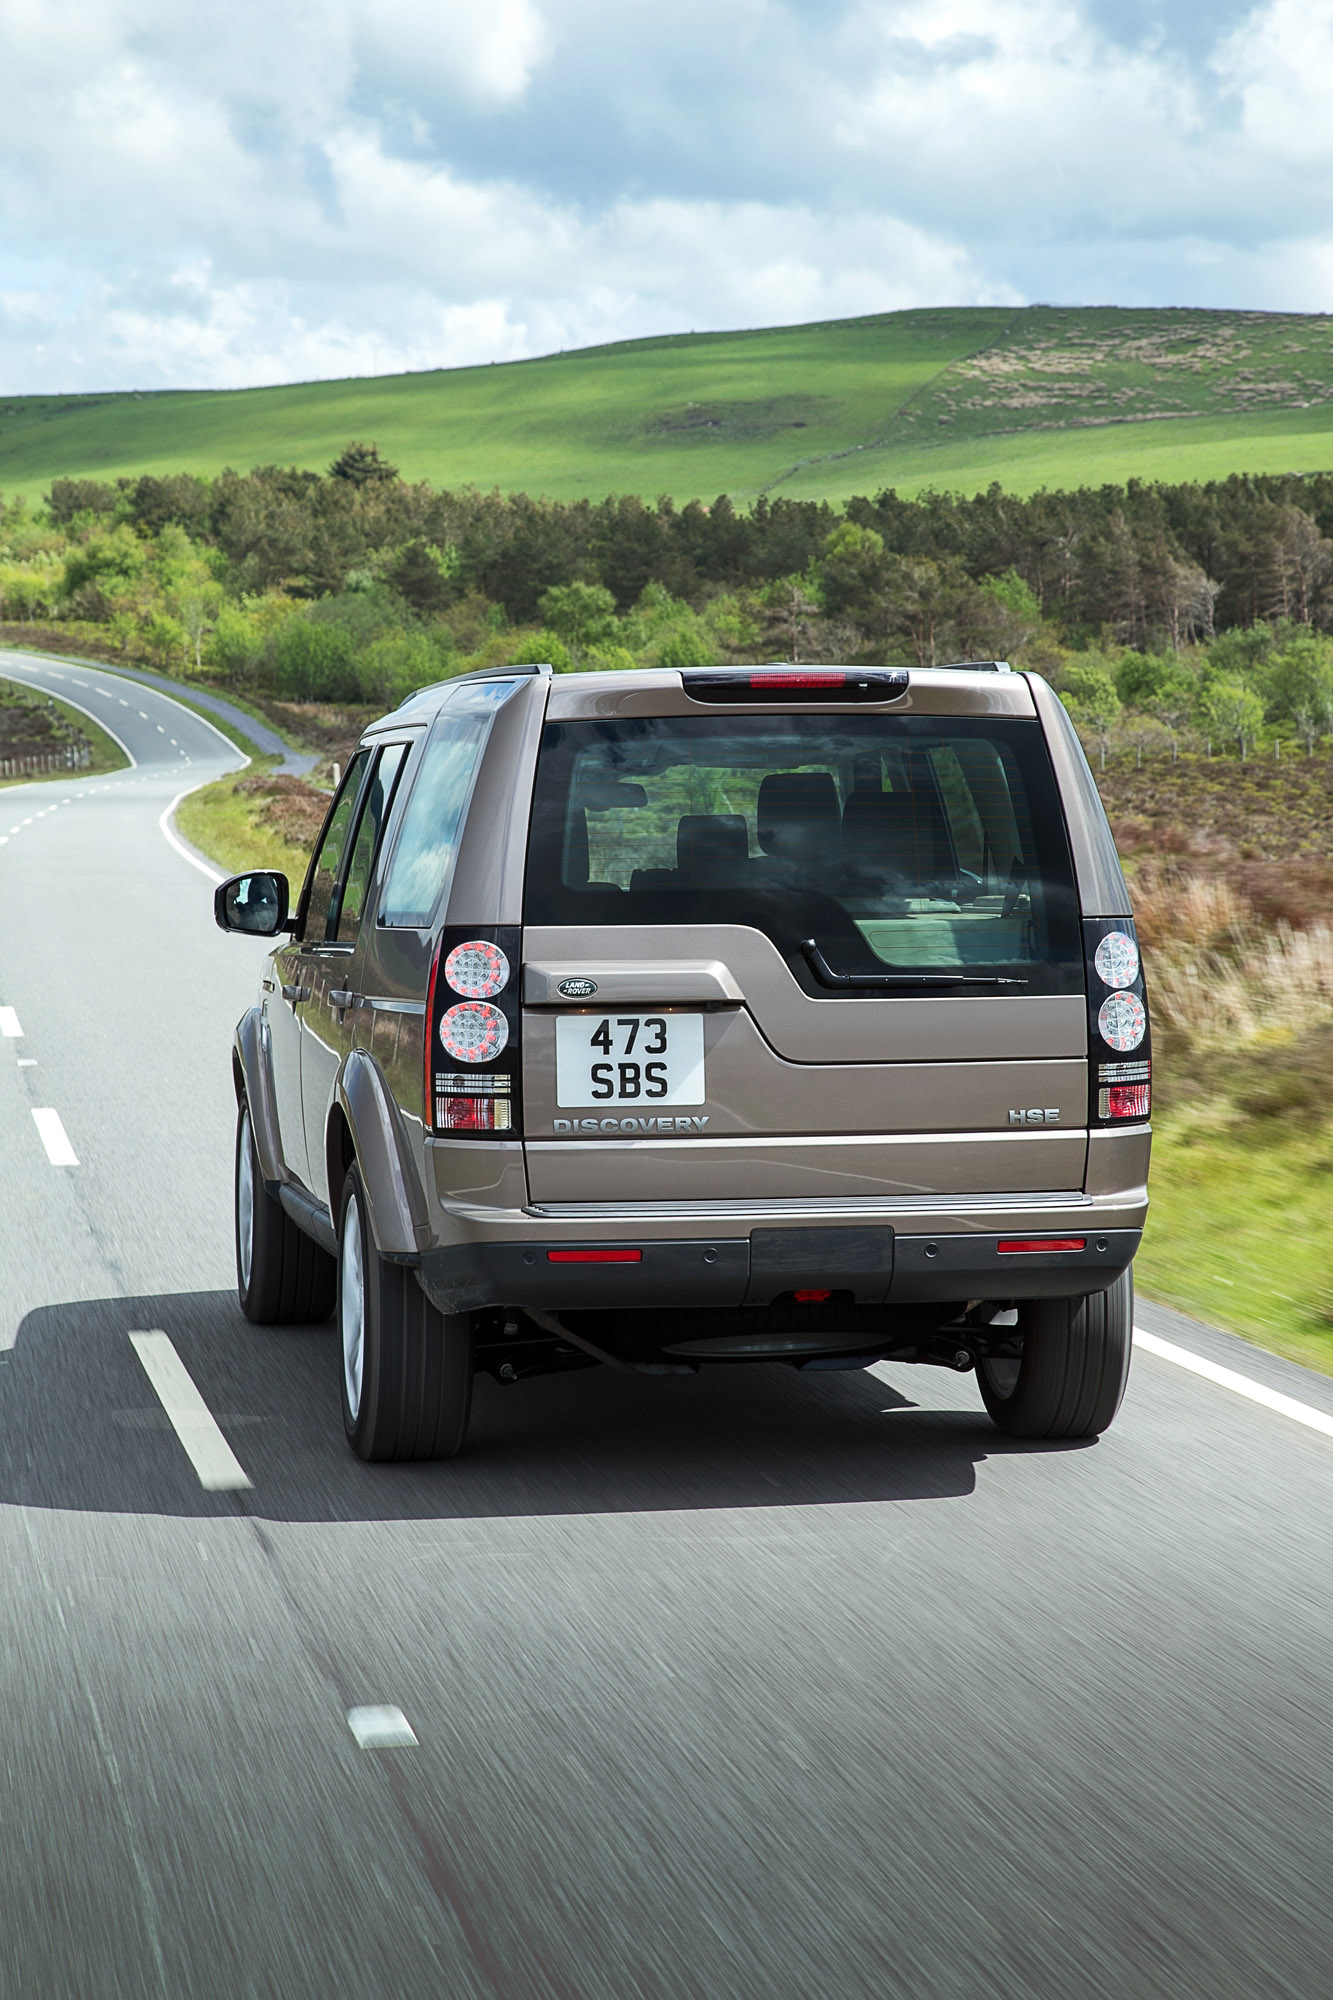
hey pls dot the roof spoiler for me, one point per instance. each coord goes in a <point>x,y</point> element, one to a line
<point>971,667</point>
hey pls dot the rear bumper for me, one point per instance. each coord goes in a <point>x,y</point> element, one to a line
<point>867,1262</point>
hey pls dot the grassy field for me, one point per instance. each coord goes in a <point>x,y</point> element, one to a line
<point>955,397</point>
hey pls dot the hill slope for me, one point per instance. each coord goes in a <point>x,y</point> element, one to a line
<point>951,398</point>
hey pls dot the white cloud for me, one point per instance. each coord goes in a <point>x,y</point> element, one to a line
<point>271,193</point>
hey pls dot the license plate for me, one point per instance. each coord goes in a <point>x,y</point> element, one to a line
<point>629,1059</point>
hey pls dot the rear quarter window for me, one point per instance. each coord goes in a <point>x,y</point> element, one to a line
<point>422,862</point>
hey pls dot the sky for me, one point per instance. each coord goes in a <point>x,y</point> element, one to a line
<point>195,194</point>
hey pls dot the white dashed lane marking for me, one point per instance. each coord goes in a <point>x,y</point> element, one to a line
<point>219,1470</point>
<point>9,1024</point>
<point>381,1729</point>
<point>55,1139</point>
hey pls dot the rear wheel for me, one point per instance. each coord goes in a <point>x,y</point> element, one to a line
<point>282,1277</point>
<point>1075,1361</point>
<point>407,1368</point>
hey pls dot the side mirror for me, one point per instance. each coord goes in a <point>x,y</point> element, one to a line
<point>256,904</point>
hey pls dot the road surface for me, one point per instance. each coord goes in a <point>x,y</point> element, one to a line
<point>754,1685</point>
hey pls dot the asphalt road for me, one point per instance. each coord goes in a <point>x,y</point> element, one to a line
<point>750,1685</point>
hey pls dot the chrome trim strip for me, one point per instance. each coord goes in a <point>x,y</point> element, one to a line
<point>398,1007</point>
<point>868,1206</point>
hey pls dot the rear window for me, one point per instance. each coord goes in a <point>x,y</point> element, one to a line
<point>893,844</point>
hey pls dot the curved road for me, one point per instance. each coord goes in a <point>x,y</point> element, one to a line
<point>755,1685</point>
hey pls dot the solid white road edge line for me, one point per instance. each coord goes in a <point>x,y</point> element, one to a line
<point>1239,1385</point>
<point>168,833</point>
<point>9,1024</point>
<point>55,1139</point>
<point>219,1470</point>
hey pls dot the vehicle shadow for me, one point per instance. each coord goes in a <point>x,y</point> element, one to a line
<point>81,1429</point>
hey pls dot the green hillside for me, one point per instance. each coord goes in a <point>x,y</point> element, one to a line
<point>951,398</point>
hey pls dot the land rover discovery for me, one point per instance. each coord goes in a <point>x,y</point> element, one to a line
<point>666,1019</point>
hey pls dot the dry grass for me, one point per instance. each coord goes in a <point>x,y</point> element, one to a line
<point>285,806</point>
<point>1261,985</point>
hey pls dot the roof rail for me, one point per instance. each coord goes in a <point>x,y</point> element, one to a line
<point>478,674</point>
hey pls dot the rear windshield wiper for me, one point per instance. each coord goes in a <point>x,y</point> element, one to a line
<point>826,976</point>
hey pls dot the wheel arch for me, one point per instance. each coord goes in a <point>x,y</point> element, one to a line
<point>252,1079</point>
<point>365,1126</point>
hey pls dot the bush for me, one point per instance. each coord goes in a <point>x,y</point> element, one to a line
<point>532,649</point>
<point>314,660</point>
<point>390,667</point>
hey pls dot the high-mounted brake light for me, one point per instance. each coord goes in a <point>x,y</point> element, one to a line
<point>738,685</point>
<point>1024,1246</point>
<point>798,680</point>
<point>594,1256</point>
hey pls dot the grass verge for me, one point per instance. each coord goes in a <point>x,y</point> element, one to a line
<point>107,754</point>
<point>1238,1229</point>
<point>260,819</point>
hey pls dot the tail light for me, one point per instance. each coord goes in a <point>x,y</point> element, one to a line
<point>1119,1031</point>
<point>470,1054</point>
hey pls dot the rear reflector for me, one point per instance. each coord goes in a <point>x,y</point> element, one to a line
<point>594,1256</point>
<point>811,1298</point>
<point>473,1114</point>
<point>1125,1100</point>
<point>1023,1245</point>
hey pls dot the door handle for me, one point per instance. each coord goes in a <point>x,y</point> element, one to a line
<point>339,997</point>
<point>296,994</point>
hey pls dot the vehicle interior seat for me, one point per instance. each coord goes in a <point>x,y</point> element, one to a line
<point>798,824</point>
<point>897,837</point>
<point>712,851</point>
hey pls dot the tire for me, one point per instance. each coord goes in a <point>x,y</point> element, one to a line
<point>1071,1378</point>
<point>407,1368</point>
<point>282,1277</point>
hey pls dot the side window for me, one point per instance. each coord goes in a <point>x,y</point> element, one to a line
<point>423,860</point>
<point>332,848</point>
<point>374,812</point>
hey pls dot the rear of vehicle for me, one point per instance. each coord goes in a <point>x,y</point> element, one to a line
<point>788,1014</point>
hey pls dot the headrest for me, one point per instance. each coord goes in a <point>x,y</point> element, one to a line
<point>798,811</point>
<point>712,846</point>
<point>897,832</point>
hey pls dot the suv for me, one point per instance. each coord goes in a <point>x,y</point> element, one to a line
<point>730,1014</point>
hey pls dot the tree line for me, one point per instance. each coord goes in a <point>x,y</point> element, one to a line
<point>1140,600</point>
